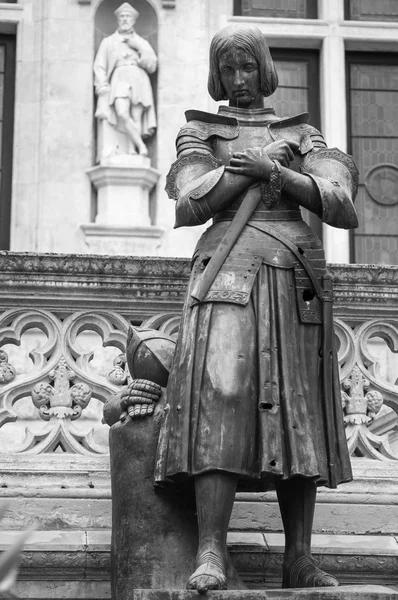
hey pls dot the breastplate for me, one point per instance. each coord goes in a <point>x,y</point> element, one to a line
<point>250,137</point>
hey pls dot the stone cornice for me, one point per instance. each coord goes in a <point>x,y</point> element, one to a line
<point>89,264</point>
<point>134,287</point>
<point>138,287</point>
<point>101,176</point>
<point>365,291</point>
<point>365,274</point>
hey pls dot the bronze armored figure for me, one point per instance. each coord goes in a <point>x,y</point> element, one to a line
<point>254,389</point>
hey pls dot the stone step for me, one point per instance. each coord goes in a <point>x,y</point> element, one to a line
<point>365,516</point>
<point>332,517</point>
<point>352,559</point>
<point>349,592</point>
<point>82,559</point>
<point>99,540</point>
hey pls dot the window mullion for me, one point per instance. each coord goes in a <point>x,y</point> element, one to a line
<point>331,10</point>
<point>334,128</point>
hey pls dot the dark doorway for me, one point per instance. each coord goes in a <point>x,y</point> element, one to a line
<point>7,98</point>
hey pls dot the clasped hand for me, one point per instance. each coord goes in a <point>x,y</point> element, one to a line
<point>257,162</point>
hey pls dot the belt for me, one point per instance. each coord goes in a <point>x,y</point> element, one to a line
<point>262,215</point>
<point>132,63</point>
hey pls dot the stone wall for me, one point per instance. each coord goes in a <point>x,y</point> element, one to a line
<point>55,132</point>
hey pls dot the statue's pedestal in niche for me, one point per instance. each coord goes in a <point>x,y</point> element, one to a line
<point>123,222</point>
<point>348,592</point>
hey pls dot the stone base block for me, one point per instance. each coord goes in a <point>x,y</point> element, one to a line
<point>58,589</point>
<point>123,184</point>
<point>349,592</point>
<point>154,531</point>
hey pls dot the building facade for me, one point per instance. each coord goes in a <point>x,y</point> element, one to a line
<point>65,317</point>
<point>336,59</point>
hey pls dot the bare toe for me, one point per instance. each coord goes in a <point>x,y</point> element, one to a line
<point>207,577</point>
<point>305,573</point>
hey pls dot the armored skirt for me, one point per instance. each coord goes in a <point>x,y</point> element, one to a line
<point>245,391</point>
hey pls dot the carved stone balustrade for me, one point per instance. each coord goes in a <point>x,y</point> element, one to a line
<point>63,328</point>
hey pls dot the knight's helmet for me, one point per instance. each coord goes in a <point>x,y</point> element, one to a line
<point>150,354</point>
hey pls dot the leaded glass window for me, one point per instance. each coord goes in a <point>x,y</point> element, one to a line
<point>373,98</point>
<point>290,9</point>
<point>371,10</point>
<point>298,91</point>
<point>7,83</point>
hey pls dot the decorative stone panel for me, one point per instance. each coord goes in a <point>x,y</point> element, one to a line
<point>64,297</point>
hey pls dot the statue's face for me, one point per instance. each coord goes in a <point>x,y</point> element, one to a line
<point>240,78</point>
<point>125,21</point>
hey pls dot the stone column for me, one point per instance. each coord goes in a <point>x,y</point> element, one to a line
<point>334,111</point>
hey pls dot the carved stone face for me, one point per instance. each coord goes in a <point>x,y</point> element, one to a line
<point>240,78</point>
<point>125,21</point>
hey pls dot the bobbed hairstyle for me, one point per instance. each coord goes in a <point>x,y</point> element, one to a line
<point>249,39</point>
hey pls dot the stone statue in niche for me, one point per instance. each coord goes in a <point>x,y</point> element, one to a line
<point>253,397</point>
<point>125,98</point>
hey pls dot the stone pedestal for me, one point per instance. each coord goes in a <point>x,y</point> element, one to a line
<point>123,183</point>
<point>123,222</point>
<point>154,531</point>
<point>349,592</point>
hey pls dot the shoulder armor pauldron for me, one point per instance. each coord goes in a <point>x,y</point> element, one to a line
<point>204,131</point>
<point>334,165</point>
<point>299,130</point>
<point>287,122</point>
<point>204,125</point>
<point>205,117</point>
